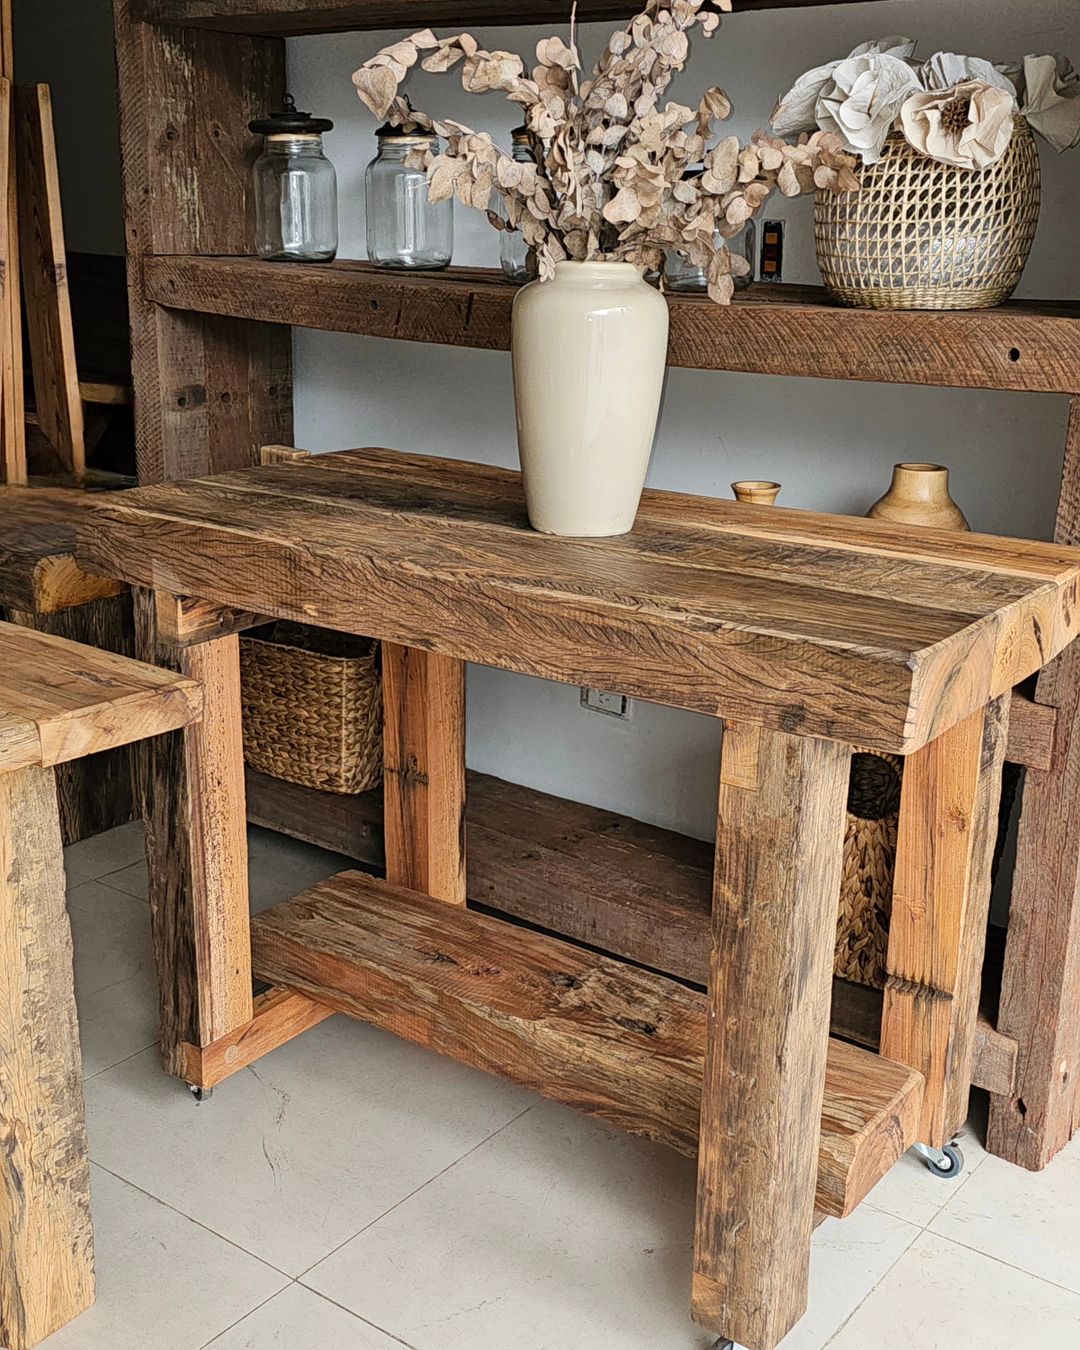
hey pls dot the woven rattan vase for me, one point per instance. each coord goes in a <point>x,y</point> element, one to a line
<point>923,235</point>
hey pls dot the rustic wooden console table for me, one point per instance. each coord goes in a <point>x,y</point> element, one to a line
<point>807,634</point>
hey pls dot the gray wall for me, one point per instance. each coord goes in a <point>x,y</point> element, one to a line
<point>830,444</point>
<point>68,44</point>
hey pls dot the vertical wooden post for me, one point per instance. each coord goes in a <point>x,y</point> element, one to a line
<point>940,909</point>
<point>779,853</point>
<point>46,1241</point>
<point>192,791</point>
<point>424,771</point>
<point>1040,992</point>
<point>12,409</point>
<point>208,391</point>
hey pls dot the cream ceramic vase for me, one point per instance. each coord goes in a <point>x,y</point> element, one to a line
<point>590,349</point>
<point>919,495</point>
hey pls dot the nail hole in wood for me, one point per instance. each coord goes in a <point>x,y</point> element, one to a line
<point>1014,354</point>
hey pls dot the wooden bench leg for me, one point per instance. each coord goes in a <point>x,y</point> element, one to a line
<point>192,793</point>
<point>46,1241</point>
<point>941,901</point>
<point>779,853</point>
<point>424,771</point>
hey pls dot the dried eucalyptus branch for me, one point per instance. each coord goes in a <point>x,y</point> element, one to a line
<point>617,175</point>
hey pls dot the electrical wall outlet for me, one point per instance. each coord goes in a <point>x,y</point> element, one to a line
<point>611,705</point>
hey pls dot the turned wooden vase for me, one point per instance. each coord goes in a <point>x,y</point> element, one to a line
<point>919,495</point>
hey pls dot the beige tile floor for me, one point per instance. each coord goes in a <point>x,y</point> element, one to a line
<point>352,1192</point>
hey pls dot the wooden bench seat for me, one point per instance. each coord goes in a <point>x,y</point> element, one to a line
<point>60,700</point>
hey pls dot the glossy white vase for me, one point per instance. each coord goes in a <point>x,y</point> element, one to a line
<point>590,349</point>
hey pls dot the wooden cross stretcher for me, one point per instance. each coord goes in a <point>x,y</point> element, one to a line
<point>806,634</point>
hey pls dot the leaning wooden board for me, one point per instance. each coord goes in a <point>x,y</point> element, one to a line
<point>810,624</point>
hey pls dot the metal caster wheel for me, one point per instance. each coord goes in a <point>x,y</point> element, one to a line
<point>200,1094</point>
<point>947,1162</point>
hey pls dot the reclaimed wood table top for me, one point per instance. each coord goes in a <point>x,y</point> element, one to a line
<point>821,625</point>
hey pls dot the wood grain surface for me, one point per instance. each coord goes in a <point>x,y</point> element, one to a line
<point>576,1026</point>
<point>208,391</point>
<point>46,1241</point>
<point>424,771</point>
<point>826,625</point>
<point>75,700</point>
<point>769,330</point>
<point>191,789</point>
<point>38,571</point>
<point>57,399</point>
<point>940,910</point>
<point>277,1016</point>
<point>1040,993</point>
<point>321,16</point>
<point>779,851</point>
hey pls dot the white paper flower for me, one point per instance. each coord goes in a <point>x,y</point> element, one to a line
<point>1052,99</point>
<point>861,101</point>
<point>796,112</point>
<point>969,126</point>
<point>945,70</point>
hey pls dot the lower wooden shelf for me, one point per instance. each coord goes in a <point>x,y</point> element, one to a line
<point>616,1041</point>
<point>602,879</point>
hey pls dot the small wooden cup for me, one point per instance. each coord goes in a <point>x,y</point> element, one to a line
<point>756,490</point>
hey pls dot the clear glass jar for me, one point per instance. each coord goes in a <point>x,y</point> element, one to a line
<point>296,215</point>
<point>517,258</point>
<point>684,278</point>
<point>405,229</point>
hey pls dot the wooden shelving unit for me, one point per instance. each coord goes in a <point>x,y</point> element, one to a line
<point>293,17</point>
<point>771,330</point>
<point>211,351</point>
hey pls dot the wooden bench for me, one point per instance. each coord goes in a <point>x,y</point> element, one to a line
<point>42,587</point>
<point>59,702</point>
<point>806,634</point>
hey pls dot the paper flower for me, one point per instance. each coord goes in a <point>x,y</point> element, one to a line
<point>969,126</point>
<point>945,70</point>
<point>861,101</point>
<point>1052,100</point>
<point>796,112</point>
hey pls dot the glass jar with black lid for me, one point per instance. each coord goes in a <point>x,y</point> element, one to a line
<point>296,213</point>
<point>405,229</point>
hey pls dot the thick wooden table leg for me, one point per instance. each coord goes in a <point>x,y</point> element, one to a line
<point>1040,991</point>
<point>46,1242</point>
<point>192,792</point>
<point>779,853</point>
<point>424,771</point>
<point>941,901</point>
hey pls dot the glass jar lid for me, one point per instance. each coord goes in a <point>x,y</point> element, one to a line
<point>410,134</point>
<point>289,121</point>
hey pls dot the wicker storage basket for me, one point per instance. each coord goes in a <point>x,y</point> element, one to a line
<point>312,707</point>
<point>862,932</point>
<point>923,235</point>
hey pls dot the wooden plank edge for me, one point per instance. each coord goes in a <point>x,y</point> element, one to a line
<point>279,1015</point>
<point>186,621</point>
<point>1032,732</point>
<point>996,1059</point>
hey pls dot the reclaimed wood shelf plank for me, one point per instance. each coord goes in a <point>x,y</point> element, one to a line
<point>292,17</point>
<point>621,1043</point>
<point>1032,346</point>
<point>616,884</point>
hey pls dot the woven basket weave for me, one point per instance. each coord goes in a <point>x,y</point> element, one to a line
<point>862,931</point>
<point>922,235</point>
<point>312,706</point>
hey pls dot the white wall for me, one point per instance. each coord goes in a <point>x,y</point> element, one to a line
<point>68,45</point>
<point>830,444</point>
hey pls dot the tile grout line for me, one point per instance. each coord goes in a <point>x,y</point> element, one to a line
<point>198,1223</point>
<point>134,1055</point>
<point>250,1313</point>
<point>379,1217</point>
<point>1020,1270</point>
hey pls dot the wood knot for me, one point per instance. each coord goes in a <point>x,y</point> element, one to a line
<point>635,1024</point>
